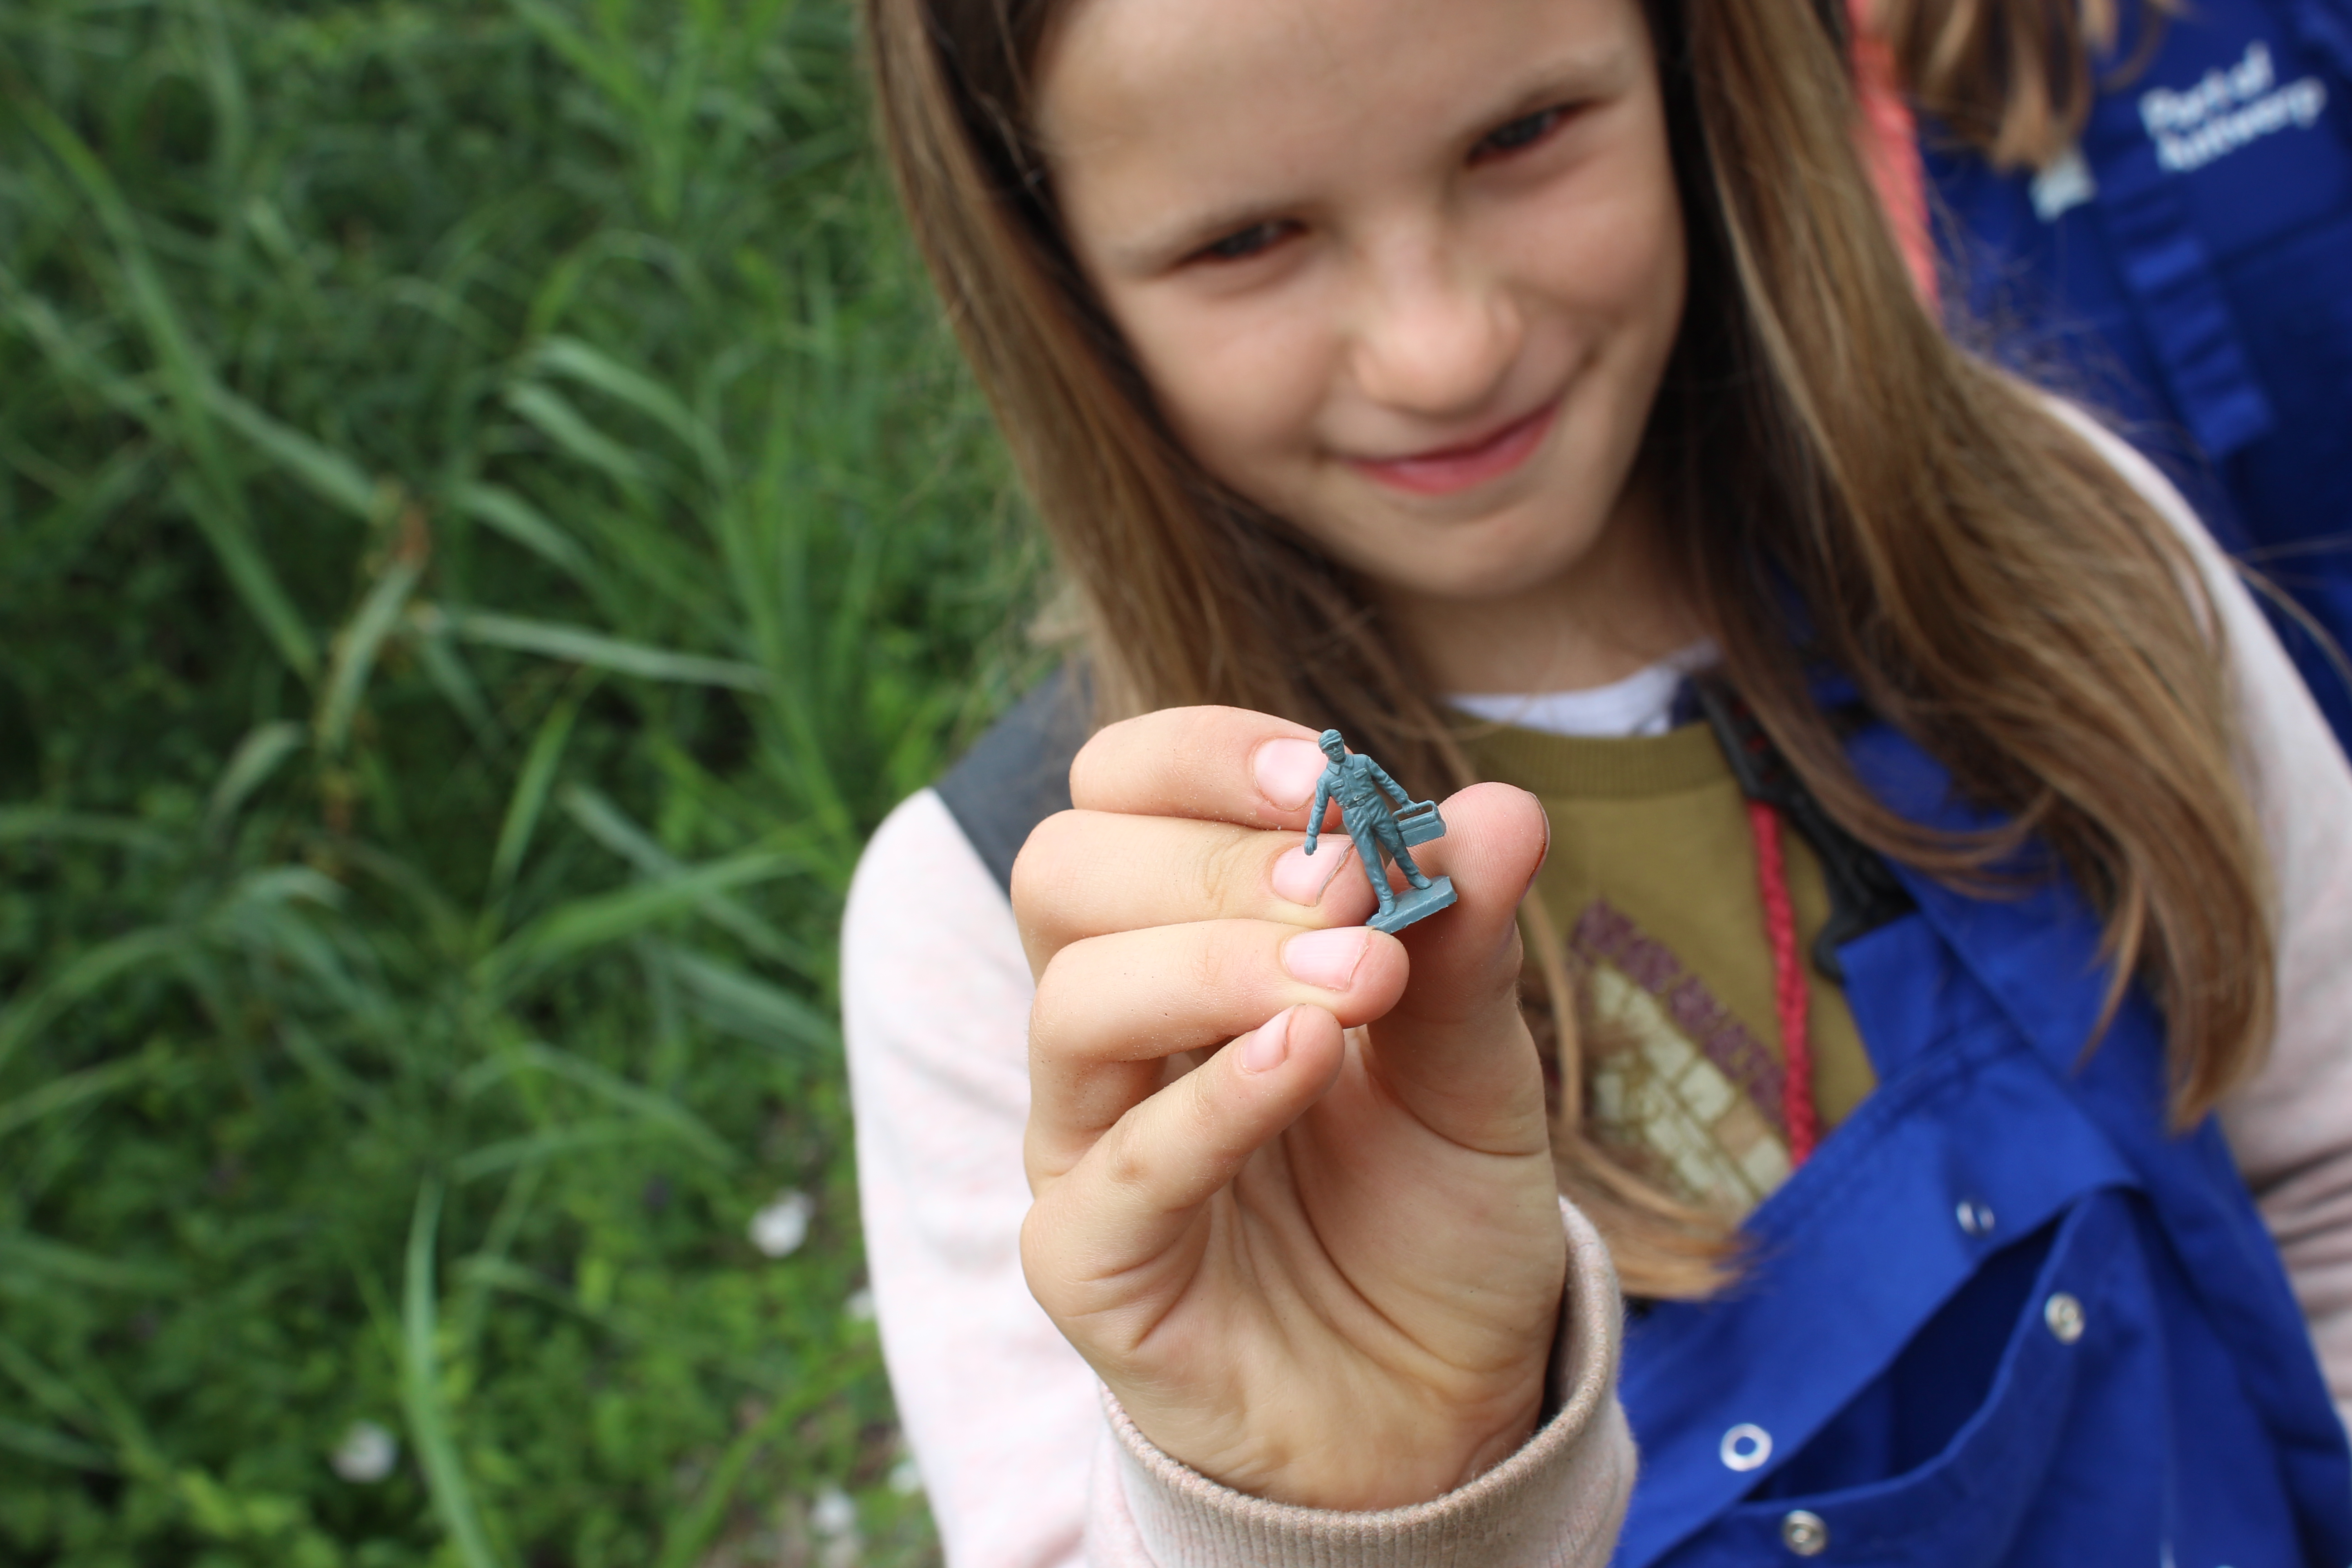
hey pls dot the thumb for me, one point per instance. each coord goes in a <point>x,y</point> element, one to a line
<point>1455,1047</point>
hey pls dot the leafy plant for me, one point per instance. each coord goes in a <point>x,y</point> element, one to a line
<point>488,523</point>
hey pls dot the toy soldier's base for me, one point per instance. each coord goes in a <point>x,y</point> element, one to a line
<point>1413,903</point>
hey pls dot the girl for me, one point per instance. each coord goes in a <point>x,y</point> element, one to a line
<point>1509,383</point>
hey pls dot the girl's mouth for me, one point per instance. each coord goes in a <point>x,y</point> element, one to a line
<point>1451,469</point>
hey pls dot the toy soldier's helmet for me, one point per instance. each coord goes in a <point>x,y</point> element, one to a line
<point>1333,747</point>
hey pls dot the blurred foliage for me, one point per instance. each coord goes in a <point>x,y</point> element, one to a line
<point>487,522</point>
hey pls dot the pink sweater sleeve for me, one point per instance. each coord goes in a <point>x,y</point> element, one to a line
<point>998,1412</point>
<point>2290,1127</point>
<point>1006,1424</point>
<point>1556,1503</point>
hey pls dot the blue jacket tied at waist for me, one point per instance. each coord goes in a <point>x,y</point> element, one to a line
<point>2001,1317</point>
<point>2192,270</point>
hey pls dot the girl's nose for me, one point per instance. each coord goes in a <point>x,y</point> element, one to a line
<point>1431,335</point>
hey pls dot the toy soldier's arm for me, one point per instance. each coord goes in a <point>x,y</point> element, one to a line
<point>1314,811</point>
<point>1380,777</point>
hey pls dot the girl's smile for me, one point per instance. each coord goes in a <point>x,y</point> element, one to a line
<point>1405,273</point>
<point>1470,464</point>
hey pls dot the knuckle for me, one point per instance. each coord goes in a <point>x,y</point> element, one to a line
<point>1213,969</point>
<point>1204,875</point>
<point>1042,872</point>
<point>1126,1165</point>
<point>1234,867</point>
<point>1041,1263</point>
<point>1054,1013</point>
<point>1108,754</point>
<point>1094,759</point>
<point>1196,1110</point>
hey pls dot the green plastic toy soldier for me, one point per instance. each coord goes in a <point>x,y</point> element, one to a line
<point>1363,789</point>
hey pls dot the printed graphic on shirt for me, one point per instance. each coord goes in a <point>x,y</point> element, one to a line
<point>1671,1074</point>
<point>2228,109</point>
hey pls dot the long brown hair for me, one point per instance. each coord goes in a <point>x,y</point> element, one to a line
<point>2011,77</point>
<point>1840,484</point>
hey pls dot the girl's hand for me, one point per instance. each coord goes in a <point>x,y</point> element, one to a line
<point>1319,1266</point>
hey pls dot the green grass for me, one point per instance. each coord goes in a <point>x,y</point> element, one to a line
<point>488,523</point>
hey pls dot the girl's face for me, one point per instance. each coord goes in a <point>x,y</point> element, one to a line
<point>1406,272</point>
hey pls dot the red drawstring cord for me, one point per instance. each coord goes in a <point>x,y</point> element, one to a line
<point>1787,983</point>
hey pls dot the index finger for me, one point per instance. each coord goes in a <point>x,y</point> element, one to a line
<point>1221,764</point>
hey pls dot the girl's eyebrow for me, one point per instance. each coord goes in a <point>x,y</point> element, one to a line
<point>1554,82</point>
<point>1592,75</point>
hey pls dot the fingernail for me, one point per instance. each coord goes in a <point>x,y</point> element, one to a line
<point>1301,877</point>
<point>1270,1047</point>
<point>1326,958</point>
<point>1287,771</point>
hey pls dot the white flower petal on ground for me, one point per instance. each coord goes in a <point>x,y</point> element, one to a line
<point>833,1514</point>
<point>367,1454</point>
<point>778,1229</point>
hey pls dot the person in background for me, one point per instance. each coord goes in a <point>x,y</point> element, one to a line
<point>2152,201</point>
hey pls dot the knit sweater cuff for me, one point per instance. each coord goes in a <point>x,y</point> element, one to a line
<point>1557,1502</point>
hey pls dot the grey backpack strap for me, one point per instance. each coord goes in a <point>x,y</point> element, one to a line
<point>1018,774</point>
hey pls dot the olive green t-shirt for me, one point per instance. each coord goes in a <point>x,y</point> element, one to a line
<point>1652,883</point>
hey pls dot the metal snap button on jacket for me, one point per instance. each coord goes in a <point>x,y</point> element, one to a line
<point>1746,1447</point>
<point>1975,1218</point>
<point>1804,1532</point>
<point>2064,1313</point>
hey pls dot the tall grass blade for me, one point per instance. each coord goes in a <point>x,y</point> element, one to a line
<point>51,1391</point>
<point>446,668</point>
<point>610,827</point>
<point>356,649</point>
<point>609,68</point>
<point>569,430</point>
<point>41,1444</point>
<point>596,922</point>
<point>420,1389</point>
<point>230,535</point>
<point>579,645</point>
<point>324,471</point>
<point>87,971</point>
<point>570,357</point>
<point>512,1153</point>
<point>23,1255</point>
<point>525,524</point>
<point>249,766</point>
<point>72,359</point>
<point>72,1090</point>
<point>751,1007</point>
<point>529,797</point>
<point>611,1087</point>
<point>33,824</point>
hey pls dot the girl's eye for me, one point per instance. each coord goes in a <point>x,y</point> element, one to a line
<point>1244,243</point>
<point>1523,133</point>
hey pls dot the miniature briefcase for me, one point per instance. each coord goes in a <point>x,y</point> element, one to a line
<point>1418,823</point>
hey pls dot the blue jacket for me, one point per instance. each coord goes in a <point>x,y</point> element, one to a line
<point>2000,1317</point>
<point>2193,273</point>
